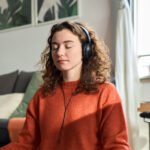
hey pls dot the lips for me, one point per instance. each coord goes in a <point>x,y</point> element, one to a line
<point>61,61</point>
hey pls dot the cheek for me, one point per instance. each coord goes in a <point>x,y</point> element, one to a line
<point>75,57</point>
<point>77,53</point>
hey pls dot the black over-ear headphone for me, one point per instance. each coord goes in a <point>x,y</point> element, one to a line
<point>87,46</point>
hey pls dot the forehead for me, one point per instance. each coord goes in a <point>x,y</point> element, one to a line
<point>63,35</point>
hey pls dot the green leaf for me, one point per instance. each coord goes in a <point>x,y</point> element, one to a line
<point>14,7</point>
<point>74,9</point>
<point>40,2</point>
<point>25,11</point>
<point>67,8</point>
<point>50,14</point>
<point>18,13</point>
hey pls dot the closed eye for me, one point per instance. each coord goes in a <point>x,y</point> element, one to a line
<point>55,47</point>
<point>69,45</point>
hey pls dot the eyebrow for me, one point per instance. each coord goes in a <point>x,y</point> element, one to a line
<point>67,41</point>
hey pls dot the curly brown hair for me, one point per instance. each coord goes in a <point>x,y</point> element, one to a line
<point>96,71</point>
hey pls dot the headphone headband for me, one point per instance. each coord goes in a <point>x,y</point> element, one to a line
<point>85,31</point>
<point>87,46</point>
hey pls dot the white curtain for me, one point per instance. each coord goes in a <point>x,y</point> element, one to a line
<point>127,81</point>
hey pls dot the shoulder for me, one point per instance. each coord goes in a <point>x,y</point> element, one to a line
<point>37,96</point>
<point>108,93</point>
<point>107,87</point>
<point>35,102</point>
<point>39,92</point>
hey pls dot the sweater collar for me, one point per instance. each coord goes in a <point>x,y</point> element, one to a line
<point>70,84</point>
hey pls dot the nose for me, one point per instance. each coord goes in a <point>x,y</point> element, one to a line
<point>60,50</point>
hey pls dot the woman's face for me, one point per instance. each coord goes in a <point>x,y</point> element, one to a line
<point>66,51</point>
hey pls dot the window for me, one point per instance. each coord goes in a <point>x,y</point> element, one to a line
<point>143,37</point>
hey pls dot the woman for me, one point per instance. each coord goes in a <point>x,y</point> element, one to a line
<point>76,108</point>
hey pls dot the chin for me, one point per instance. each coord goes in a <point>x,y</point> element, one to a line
<point>68,67</point>
<point>63,68</point>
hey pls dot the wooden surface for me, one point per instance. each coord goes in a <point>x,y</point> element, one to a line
<point>144,107</point>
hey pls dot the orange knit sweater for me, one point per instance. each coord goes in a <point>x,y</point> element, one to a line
<point>89,121</point>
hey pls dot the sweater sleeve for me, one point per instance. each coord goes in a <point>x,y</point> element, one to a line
<point>29,137</point>
<point>112,127</point>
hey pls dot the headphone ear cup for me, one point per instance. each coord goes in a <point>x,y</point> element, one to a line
<point>86,52</point>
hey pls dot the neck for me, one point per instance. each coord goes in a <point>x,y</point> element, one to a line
<point>73,74</point>
<point>70,77</point>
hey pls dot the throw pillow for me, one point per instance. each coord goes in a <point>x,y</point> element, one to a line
<point>22,81</point>
<point>9,103</point>
<point>7,82</point>
<point>34,84</point>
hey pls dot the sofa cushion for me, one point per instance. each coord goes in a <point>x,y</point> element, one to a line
<point>4,131</point>
<point>9,103</point>
<point>7,82</point>
<point>34,84</point>
<point>22,81</point>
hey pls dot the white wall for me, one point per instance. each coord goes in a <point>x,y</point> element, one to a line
<point>21,48</point>
<point>145,90</point>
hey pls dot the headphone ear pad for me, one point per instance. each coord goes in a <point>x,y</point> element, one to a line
<point>86,52</point>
